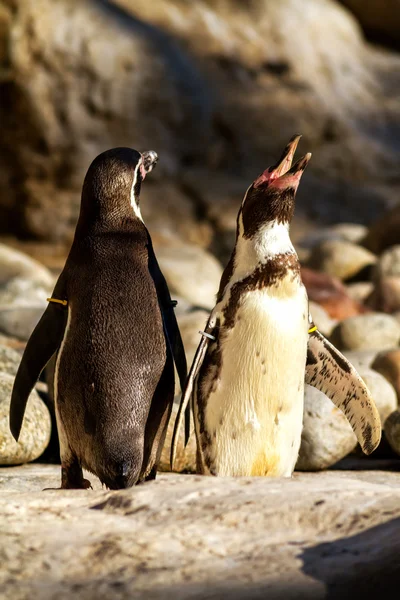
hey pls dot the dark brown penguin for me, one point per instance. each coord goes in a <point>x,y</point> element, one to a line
<point>111,322</point>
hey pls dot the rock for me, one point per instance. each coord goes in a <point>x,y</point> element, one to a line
<point>359,290</point>
<point>13,343</point>
<point>349,232</point>
<point>388,364</point>
<point>35,432</point>
<point>392,431</point>
<point>386,276</point>
<point>189,325</point>
<point>24,286</point>
<point>19,268</point>
<point>320,534</point>
<point>185,460</point>
<point>379,18</point>
<point>385,296</point>
<point>219,99</point>
<point>265,91</point>
<point>321,318</point>
<point>9,360</point>
<point>119,82</point>
<point>331,294</point>
<point>361,359</point>
<point>367,332</point>
<point>389,263</point>
<point>20,321</point>
<point>327,436</point>
<point>341,259</point>
<point>384,232</point>
<point>382,392</point>
<point>166,209</point>
<point>191,272</point>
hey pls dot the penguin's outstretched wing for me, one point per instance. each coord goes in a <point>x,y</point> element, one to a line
<point>171,328</point>
<point>207,336</point>
<point>44,341</point>
<point>331,373</point>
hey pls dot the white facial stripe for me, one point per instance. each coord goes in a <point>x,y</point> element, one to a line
<point>134,204</point>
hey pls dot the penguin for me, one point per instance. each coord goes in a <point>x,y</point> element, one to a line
<point>260,346</point>
<point>112,327</point>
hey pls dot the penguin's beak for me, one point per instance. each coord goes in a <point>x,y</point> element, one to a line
<point>291,178</point>
<point>149,161</point>
<point>283,174</point>
<point>285,162</point>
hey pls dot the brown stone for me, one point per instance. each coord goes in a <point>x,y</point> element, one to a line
<point>388,364</point>
<point>330,293</point>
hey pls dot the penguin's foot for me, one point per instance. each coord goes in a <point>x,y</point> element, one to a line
<point>72,477</point>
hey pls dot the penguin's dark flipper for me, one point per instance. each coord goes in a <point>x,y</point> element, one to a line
<point>43,343</point>
<point>331,373</point>
<point>171,328</point>
<point>207,336</point>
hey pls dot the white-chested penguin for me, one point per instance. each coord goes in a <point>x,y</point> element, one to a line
<point>111,321</point>
<point>259,346</point>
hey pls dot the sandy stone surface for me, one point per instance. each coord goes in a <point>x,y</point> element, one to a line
<point>318,535</point>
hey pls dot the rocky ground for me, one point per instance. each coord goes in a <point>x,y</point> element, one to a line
<point>316,536</point>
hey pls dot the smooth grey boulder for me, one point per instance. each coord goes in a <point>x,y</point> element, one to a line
<point>327,436</point>
<point>35,432</point>
<point>340,258</point>
<point>9,360</point>
<point>367,332</point>
<point>382,392</point>
<point>191,272</point>
<point>392,431</point>
<point>20,321</point>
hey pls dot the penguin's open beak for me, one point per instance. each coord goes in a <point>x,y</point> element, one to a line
<point>149,161</point>
<point>283,174</point>
<point>285,162</point>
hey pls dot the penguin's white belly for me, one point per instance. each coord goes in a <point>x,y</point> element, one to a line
<point>254,414</point>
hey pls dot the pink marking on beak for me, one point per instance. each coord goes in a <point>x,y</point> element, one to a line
<point>282,166</point>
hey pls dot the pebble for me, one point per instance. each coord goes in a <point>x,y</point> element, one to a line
<point>389,262</point>
<point>35,432</point>
<point>361,359</point>
<point>382,392</point>
<point>321,318</point>
<point>20,321</point>
<point>388,364</point>
<point>360,290</point>
<point>349,232</point>
<point>15,265</point>
<point>341,259</point>
<point>386,295</point>
<point>191,272</point>
<point>330,293</point>
<point>327,436</point>
<point>9,360</point>
<point>367,332</point>
<point>392,431</point>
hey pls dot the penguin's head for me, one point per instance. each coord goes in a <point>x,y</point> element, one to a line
<point>271,197</point>
<point>111,190</point>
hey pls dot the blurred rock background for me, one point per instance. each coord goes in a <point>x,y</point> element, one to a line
<point>217,88</point>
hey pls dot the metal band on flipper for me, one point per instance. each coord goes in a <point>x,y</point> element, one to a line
<point>331,373</point>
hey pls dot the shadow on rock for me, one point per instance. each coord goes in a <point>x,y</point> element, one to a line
<point>359,566</point>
